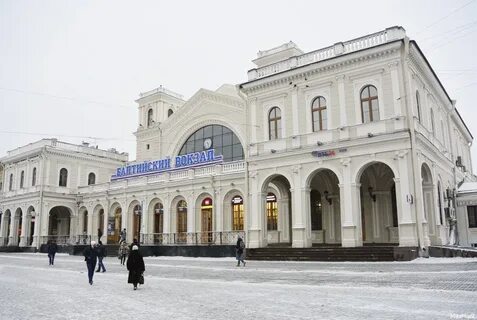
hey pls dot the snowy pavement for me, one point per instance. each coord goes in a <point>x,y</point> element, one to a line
<point>208,288</point>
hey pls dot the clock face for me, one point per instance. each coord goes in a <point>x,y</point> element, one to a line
<point>207,143</point>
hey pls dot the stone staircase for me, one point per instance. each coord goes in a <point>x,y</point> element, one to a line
<point>331,253</point>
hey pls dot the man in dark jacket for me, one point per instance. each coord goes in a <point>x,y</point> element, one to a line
<point>51,248</point>
<point>90,258</point>
<point>101,253</point>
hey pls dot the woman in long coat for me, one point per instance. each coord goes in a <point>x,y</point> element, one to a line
<point>135,266</point>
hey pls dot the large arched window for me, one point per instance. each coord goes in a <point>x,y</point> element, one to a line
<point>272,212</point>
<point>318,114</point>
<point>369,104</point>
<point>216,137</point>
<point>158,218</point>
<point>418,106</point>
<point>10,183</point>
<point>91,178</point>
<point>237,213</point>
<point>169,113</point>
<point>22,179</point>
<point>33,177</point>
<point>150,121</point>
<point>275,124</point>
<point>63,177</point>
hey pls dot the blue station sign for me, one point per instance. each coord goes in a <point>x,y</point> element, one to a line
<point>195,159</point>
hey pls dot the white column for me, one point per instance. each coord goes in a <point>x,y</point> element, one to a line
<point>301,228</point>
<point>393,67</point>
<point>295,113</point>
<point>351,235</point>
<point>342,100</point>
<point>253,119</point>
<point>23,236</point>
<point>256,212</point>
<point>218,211</point>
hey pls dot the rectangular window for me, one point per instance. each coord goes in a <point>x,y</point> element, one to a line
<point>472,214</point>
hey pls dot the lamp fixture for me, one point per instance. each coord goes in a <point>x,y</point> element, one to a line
<point>327,197</point>
<point>370,135</point>
<point>319,143</point>
<point>372,195</point>
<point>273,151</point>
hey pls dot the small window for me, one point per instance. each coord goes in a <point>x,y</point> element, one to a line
<point>369,104</point>
<point>91,179</point>
<point>10,183</point>
<point>318,114</point>
<point>418,106</point>
<point>63,178</point>
<point>275,123</point>
<point>472,214</point>
<point>150,121</point>
<point>33,178</point>
<point>169,113</point>
<point>22,179</point>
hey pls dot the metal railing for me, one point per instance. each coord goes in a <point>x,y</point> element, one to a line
<point>193,238</point>
<point>59,239</point>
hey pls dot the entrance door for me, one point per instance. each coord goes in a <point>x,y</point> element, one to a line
<point>206,221</point>
<point>206,225</point>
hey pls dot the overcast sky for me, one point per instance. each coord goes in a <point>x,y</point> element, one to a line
<point>72,69</point>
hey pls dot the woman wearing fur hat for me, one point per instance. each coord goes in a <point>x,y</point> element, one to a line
<point>90,256</point>
<point>135,266</point>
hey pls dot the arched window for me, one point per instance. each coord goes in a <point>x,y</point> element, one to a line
<point>63,177</point>
<point>318,114</point>
<point>369,104</point>
<point>418,105</point>
<point>219,138</point>
<point>22,179</point>
<point>33,177</point>
<point>10,183</point>
<point>272,212</point>
<point>316,210</point>
<point>237,213</point>
<point>432,121</point>
<point>169,113</point>
<point>274,124</point>
<point>91,178</point>
<point>150,121</point>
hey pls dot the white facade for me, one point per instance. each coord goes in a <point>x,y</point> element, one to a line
<point>352,144</point>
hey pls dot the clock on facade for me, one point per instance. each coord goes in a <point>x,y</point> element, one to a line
<point>207,143</point>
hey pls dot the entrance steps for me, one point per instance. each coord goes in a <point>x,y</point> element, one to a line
<point>333,253</point>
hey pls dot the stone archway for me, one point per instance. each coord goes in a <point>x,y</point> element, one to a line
<point>379,217</point>
<point>277,216</point>
<point>59,223</point>
<point>428,201</point>
<point>114,223</point>
<point>325,215</point>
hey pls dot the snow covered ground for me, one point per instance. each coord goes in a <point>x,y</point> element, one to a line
<point>207,288</point>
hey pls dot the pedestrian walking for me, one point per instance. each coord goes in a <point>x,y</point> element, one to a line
<point>135,267</point>
<point>134,243</point>
<point>240,251</point>
<point>122,237</point>
<point>123,252</point>
<point>101,253</point>
<point>90,258</point>
<point>51,249</point>
<point>100,234</point>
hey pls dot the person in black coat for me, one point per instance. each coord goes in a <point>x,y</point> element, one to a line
<point>135,266</point>
<point>51,248</point>
<point>90,255</point>
<point>101,253</point>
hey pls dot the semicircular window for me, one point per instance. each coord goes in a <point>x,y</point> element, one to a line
<point>220,138</point>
